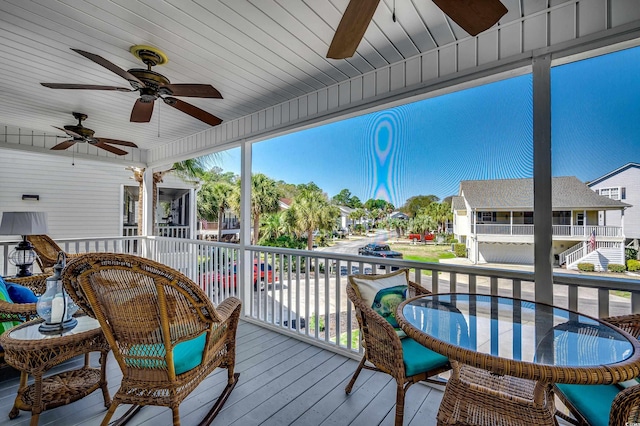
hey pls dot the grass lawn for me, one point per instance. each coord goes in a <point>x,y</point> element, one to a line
<point>424,253</point>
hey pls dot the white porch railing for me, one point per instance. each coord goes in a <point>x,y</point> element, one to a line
<point>304,291</point>
<point>558,230</point>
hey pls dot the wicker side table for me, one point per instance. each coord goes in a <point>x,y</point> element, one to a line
<point>34,353</point>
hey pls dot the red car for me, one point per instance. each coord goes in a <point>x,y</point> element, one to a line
<point>259,280</point>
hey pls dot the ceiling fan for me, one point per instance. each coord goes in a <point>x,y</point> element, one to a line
<point>151,85</point>
<point>474,16</point>
<point>79,133</point>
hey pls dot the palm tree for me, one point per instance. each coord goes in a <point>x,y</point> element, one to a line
<point>312,211</point>
<point>441,213</point>
<point>264,199</point>
<point>221,192</point>
<point>272,226</point>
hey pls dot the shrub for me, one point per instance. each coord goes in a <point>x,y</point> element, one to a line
<point>586,267</point>
<point>633,265</point>
<point>460,250</point>
<point>616,267</point>
<point>312,323</point>
<point>630,253</point>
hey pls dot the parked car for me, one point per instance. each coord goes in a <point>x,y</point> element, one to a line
<point>226,278</point>
<point>379,250</point>
<point>427,236</point>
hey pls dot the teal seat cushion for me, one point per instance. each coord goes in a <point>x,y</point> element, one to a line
<point>186,355</point>
<point>592,401</point>
<point>418,359</point>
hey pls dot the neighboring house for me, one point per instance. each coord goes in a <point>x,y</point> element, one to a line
<point>494,218</point>
<point>621,184</point>
<point>398,215</point>
<point>344,222</point>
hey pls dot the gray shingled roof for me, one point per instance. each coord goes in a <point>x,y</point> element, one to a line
<point>517,194</point>
<point>457,203</point>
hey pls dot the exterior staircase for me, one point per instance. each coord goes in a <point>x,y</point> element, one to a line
<point>606,252</point>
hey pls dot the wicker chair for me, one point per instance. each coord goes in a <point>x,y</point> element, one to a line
<point>384,349</point>
<point>584,401</point>
<point>165,333</point>
<point>47,251</point>
<point>22,312</point>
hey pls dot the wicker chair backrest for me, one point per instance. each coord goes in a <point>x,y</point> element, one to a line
<point>144,308</point>
<point>46,249</point>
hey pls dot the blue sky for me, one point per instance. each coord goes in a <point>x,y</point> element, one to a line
<point>428,147</point>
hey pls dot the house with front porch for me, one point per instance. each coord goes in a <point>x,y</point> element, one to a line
<point>494,218</point>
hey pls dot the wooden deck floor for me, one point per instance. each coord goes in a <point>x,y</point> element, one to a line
<point>283,381</point>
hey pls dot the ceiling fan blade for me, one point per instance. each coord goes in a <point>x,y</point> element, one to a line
<point>64,145</point>
<point>69,132</point>
<point>193,111</point>
<point>474,16</point>
<point>112,149</point>
<point>194,90</point>
<point>141,112</point>
<point>116,142</point>
<point>85,87</point>
<point>110,66</point>
<point>351,29</point>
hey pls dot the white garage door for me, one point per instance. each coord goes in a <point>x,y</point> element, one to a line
<point>506,253</point>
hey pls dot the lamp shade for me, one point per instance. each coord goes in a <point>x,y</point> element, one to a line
<point>23,223</point>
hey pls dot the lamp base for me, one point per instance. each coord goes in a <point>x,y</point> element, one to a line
<point>46,328</point>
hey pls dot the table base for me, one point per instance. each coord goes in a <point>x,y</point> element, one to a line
<point>477,397</point>
<point>59,389</point>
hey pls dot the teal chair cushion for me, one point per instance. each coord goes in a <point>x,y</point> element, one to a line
<point>186,355</point>
<point>592,401</point>
<point>418,359</point>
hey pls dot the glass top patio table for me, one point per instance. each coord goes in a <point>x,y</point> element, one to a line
<point>521,338</point>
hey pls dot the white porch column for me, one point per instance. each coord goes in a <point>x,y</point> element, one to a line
<point>246,277</point>
<point>148,215</point>
<point>193,212</point>
<point>542,208</point>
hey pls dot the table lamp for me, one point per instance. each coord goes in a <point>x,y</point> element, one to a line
<point>23,223</point>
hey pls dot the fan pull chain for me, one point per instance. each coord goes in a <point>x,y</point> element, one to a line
<point>159,120</point>
<point>393,16</point>
<point>73,156</point>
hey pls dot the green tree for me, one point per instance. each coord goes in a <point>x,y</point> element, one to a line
<point>415,203</point>
<point>441,213</point>
<point>272,226</point>
<point>311,211</point>
<point>264,199</point>
<point>371,204</point>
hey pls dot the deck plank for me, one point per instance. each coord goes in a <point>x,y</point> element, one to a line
<point>283,381</point>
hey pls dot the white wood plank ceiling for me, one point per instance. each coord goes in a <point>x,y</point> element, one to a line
<point>257,53</point>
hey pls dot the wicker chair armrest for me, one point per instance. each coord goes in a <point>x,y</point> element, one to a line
<point>16,311</point>
<point>229,308</point>
<point>625,409</point>
<point>416,289</point>
<point>37,283</point>
<point>629,323</point>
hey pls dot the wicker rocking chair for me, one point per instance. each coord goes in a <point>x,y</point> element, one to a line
<point>47,251</point>
<point>165,334</point>
<point>384,349</point>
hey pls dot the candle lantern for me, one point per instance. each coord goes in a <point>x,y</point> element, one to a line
<point>55,306</point>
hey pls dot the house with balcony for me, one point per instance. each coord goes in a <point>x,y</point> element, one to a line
<point>494,218</point>
<point>621,184</point>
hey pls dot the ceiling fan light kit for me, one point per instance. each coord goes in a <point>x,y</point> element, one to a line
<point>151,85</point>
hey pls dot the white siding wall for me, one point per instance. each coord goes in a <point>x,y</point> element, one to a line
<point>630,180</point>
<point>81,200</point>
